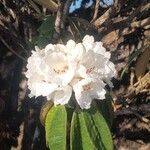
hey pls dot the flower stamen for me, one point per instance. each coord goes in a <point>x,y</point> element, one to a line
<point>89,70</point>
<point>61,68</point>
<point>87,87</point>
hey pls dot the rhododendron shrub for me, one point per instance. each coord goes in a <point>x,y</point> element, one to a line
<point>81,70</point>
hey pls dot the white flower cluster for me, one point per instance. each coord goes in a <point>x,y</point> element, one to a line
<point>59,69</point>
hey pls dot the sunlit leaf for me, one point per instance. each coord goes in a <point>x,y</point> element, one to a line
<point>106,109</point>
<point>79,135</point>
<point>55,127</point>
<point>89,130</point>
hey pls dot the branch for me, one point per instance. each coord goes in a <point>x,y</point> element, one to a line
<point>111,12</point>
<point>50,4</point>
<point>96,10</point>
<point>66,12</point>
<point>111,25</point>
<point>135,111</point>
<point>141,23</point>
<point>62,14</point>
<point>9,48</point>
<point>59,17</point>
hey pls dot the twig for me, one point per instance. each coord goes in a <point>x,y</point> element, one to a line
<point>66,12</point>
<point>34,6</point>
<point>111,25</point>
<point>109,13</point>
<point>96,10</point>
<point>139,86</point>
<point>59,17</point>
<point>12,49</point>
<point>129,111</point>
<point>50,4</point>
<point>62,14</point>
<point>142,118</point>
<point>141,23</point>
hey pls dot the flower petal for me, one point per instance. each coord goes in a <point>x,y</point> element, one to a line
<point>83,99</point>
<point>101,94</point>
<point>81,71</point>
<point>61,48</point>
<point>77,52</point>
<point>99,49</point>
<point>70,45</point>
<point>61,69</point>
<point>88,42</point>
<point>49,47</point>
<point>62,96</point>
<point>66,78</point>
<point>44,89</point>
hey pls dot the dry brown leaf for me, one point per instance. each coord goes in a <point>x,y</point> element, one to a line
<point>142,62</point>
<point>111,37</point>
<point>44,110</point>
<point>141,85</point>
<point>50,4</point>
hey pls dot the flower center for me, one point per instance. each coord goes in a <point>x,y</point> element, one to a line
<point>61,68</point>
<point>90,70</point>
<point>87,87</point>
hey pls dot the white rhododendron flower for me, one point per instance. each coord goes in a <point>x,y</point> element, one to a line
<point>88,89</point>
<point>59,70</point>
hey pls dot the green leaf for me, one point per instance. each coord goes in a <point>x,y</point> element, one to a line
<point>47,27</point>
<point>79,135</point>
<point>89,131</point>
<point>106,109</point>
<point>41,41</point>
<point>45,32</point>
<point>134,55</point>
<point>55,127</point>
<point>98,129</point>
<point>132,58</point>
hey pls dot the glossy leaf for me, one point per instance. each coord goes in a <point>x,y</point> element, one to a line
<point>79,135</point>
<point>89,131</point>
<point>45,32</point>
<point>47,27</point>
<point>55,127</point>
<point>106,109</point>
<point>41,41</point>
<point>98,129</point>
